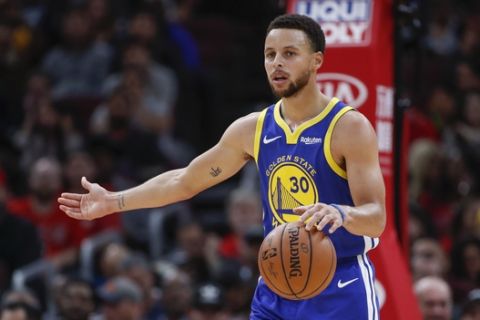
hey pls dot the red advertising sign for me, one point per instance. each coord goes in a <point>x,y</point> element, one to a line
<point>358,69</point>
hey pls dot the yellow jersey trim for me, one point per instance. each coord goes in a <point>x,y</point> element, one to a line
<point>258,133</point>
<point>292,137</point>
<point>327,148</point>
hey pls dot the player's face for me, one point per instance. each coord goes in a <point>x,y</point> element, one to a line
<point>290,62</point>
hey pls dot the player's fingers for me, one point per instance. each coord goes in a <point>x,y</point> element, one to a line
<point>72,213</point>
<point>308,211</point>
<point>307,218</point>
<point>72,196</point>
<point>326,219</point>
<point>301,210</point>
<point>316,214</point>
<point>69,202</point>
<point>86,184</point>
<point>335,225</point>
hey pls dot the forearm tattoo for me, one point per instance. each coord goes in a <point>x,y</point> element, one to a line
<point>215,172</point>
<point>121,201</point>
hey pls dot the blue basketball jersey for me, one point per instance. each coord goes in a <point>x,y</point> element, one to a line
<point>297,168</point>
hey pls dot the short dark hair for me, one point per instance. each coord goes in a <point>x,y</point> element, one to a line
<point>300,22</point>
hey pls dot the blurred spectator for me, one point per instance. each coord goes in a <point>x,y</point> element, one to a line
<point>468,75</point>
<point>177,20</point>
<point>469,39</point>
<point>149,93</point>
<point>149,26</point>
<point>434,297</point>
<point>239,276</point>
<point>14,39</point>
<point>79,164</point>
<point>420,224</point>
<point>137,269</point>
<point>38,89</point>
<point>190,255</point>
<point>441,106</point>
<point>20,242</point>
<point>114,124</point>
<point>17,311</point>
<point>428,259</point>
<point>20,305</point>
<point>467,219</point>
<point>468,134</point>
<point>100,15</point>
<point>177,296</point>
<point>465,259</point>
<point>76,300</point>
<point>421,155</point>
<point>244,210</point>
<point>110,261</point>
<point>45,132</point>
<point>144,29</point>
<point>78,66</point>
<point>208,303</point>
<point>60,235</point>
<point>471,309</point>
<point>151,88</point>
<point>434,186</point>
<point>121,299</point>
<point>441,38</point>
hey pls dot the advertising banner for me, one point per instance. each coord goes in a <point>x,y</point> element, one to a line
<point>358,69</point>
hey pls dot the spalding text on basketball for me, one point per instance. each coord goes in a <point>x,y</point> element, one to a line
<point>295,270</point>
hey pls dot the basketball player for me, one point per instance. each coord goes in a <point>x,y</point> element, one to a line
<point>318,162</point>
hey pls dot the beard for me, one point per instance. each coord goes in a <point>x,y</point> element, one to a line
<point>294,87</point>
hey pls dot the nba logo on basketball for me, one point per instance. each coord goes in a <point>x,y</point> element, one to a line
<point>346,23</point>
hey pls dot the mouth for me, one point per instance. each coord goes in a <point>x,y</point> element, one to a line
<point>279,78</point>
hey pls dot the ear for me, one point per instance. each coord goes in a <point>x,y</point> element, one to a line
<point>317,60</point>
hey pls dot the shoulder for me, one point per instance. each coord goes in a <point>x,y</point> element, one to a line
<point>245,125</point>
<point>353,121</point>
<point>354,131</point>
<point>248,121</point>
<point>242,132</point>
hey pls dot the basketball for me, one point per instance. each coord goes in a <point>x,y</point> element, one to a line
<point>296,263</point>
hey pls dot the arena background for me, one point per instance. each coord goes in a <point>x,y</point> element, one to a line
<point>75,100</point>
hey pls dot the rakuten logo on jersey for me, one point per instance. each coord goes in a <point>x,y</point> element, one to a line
<point>345,87</point>
<point>345,23</point>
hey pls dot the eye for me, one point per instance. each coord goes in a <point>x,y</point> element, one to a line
<point>289,53</point>
<point>270,55</point>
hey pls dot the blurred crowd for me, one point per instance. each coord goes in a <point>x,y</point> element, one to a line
<point>118,91</point>
<point>441,79</point>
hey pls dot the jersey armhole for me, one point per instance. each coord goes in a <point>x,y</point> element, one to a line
<point>258,133</point>
<point>327,145</point>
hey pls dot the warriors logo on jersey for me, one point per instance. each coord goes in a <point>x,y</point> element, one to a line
<point>290,186</point>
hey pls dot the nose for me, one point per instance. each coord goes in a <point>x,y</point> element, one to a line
<point>278,61</point>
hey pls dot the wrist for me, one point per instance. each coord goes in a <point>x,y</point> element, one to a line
<point>341,211</point>
<point>116,202</point>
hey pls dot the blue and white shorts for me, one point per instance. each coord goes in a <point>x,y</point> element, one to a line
<point>350,296</point>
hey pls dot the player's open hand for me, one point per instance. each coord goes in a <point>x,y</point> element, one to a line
<point>319,215</point>
<point>87,206</point>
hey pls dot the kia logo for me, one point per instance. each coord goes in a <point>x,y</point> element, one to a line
<point>345,87</point>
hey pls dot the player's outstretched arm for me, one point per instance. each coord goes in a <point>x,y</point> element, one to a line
<point>212,167</point>
<point>354,144</point>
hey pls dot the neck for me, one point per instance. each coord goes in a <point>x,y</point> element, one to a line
<point>304,105</point>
